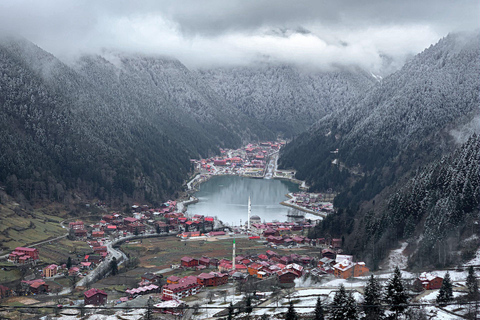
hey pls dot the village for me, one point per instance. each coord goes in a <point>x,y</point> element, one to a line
<point>264,260</point>
<point>166,261</point>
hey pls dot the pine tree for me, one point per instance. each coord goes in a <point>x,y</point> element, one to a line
<point>472,285</point>
<point>69,263</point>
<point>445,295</point>
<point>291,313</point>
<point>230,311</point>
<point>248,305</point>
<point>114,266</point>
<point>338,304</point>
<point>396,296</point>
<point>350,307</point>
<point>372,301</point>
<point>319,313</point>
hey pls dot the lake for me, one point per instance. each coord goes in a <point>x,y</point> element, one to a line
<point>226,197</point>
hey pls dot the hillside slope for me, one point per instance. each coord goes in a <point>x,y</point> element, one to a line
<point>403,122</point>
<point>406,123</point>
<point>284,98</point>
<point>106,131</point>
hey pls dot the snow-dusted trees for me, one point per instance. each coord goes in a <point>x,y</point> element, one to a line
<point>319,312</point>
<point>395,293</point>
<point>472,285</point>
<point>373,299</point>
<point>111,130</point>
<point>445,294</point>
<point>343,306</point>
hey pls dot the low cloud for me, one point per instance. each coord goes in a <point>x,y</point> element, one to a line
<point>213,33</point>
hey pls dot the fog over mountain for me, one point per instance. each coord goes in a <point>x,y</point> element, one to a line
<point>375,35</point>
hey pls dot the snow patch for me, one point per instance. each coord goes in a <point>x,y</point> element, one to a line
<point>397,258</point>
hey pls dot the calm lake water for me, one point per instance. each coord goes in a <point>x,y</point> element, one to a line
<point>226,197</point>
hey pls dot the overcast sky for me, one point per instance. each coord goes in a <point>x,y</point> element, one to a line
<point>315,33</point>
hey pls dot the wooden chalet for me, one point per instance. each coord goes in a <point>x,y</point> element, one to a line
<point>95,297</point>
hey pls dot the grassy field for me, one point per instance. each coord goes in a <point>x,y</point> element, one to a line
<point>59,251</point>
<point>160,253</point>
<point>20,228</point>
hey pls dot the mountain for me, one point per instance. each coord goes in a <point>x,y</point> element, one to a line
<point>369,150</point>
<point>113,131</point>
<point>284,98</point>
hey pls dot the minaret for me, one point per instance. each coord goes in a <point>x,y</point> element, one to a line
<point>233,255</point>
<point>249,212</point>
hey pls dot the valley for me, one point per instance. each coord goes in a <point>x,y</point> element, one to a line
<point>175,165</point>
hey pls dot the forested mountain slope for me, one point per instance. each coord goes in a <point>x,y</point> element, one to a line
<point>285,98</point>
<point>403,122</point>
<point>406,123</point>
<point>434,211</point>
<point>114,132</point>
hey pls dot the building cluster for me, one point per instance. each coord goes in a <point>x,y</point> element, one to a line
<point>23,255</point>
<point>240,161</point>
<point>163,219</point>
<point>311,201</point>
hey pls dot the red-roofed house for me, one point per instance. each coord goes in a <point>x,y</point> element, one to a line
<point>36,286</point>
<point>185,287</point>
<point>429,281</point>
<point>204,261</point>
<point>286,276</point>
<point>95,297</point>
<point>135,227</point>
<point>31,252</point>
<point>188,262</point>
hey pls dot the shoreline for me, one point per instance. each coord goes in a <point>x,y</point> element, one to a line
<point>294,206</point>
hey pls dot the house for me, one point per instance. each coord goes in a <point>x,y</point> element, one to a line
<point>336,243</point>
<point>206,279</point>
<point>148,289</point>
<point>271,254</point>
<point>204,261</point>
<point>99,249</point>
<point>347,268</point>
<point>163,227</point>
<point>286,276</point>
<point>429,281</point>
<point>184,288</point>
<point>129,220</point>
<point>295,268</point>
<point>328,253</point>
<point>98,234</point>
<point>37,286</point>
<point>254,268</point>
<point>325,262</point>
<point>30,252</point>
<point>95,297</point>
<point>5,292</point>
<point>172,279</point>
<point>188,262</point>
<point>135,227</point>
<point>151,278</point>
<point>76,225</point>
<point>80,233</point>
<point>50,271</point>
<point>174,307</point>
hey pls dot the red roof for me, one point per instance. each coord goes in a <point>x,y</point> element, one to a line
<point>93,291</point>
<point>25,249</point>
